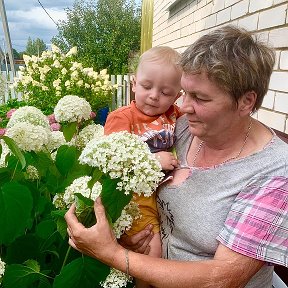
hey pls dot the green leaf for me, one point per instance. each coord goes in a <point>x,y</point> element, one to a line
<point>45,229</point>
<point>78,170</point>
<point>84,272</point>
<point>69,130</point>
<point>17,275</point>
<point>85,210</point>
<point>15,150</point>
<point>113,199</point>
<point>60,222</point>
<point>13,165</point>
<point>44,283</point>
<point>66,158</point>
<point>43,204</point>
<point>33,264</point>
<point>58,213</point>
<point>16,204</point>
<point>41,160</point>
<point>84,200</point>
<point>53,179</point>
<point>62,227</point>
<point>4,175</point>
<point>23,248</point>
<point>97,174</point>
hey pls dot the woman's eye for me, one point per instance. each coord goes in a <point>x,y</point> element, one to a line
<point>197,98</point>
<point>200,100</point>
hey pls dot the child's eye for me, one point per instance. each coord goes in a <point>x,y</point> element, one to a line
<point>146,87</point>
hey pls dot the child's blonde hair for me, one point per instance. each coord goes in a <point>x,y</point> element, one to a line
<point>161,54</point>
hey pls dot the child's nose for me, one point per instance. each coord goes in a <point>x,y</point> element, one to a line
<point>154,95</point>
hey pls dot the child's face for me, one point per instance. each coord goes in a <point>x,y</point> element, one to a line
<point>156,87</point>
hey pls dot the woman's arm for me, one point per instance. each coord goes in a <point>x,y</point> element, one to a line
<point>227,269</point>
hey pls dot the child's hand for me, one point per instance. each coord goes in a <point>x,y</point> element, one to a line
<point>167,160</point>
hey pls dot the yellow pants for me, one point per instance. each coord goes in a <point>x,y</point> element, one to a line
<point>149,214</point>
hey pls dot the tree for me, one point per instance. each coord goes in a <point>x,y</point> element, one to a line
<point>16,54</point>
<point>105,33</point>
<point>35,47</point>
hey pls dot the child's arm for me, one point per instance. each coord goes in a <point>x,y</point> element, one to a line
<point>167,160</point>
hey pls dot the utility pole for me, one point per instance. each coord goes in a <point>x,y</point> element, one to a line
<point>7,36</point>
<point>5,57</point>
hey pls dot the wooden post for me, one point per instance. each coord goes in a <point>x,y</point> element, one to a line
<point>146,25</point>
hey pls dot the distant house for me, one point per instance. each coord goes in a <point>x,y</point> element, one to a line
<point>4,67</point>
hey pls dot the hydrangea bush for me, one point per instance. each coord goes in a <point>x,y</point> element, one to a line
<point>42,172</point>
<point>46,79</point>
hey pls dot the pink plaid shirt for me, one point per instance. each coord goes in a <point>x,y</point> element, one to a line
<point>257,225</point>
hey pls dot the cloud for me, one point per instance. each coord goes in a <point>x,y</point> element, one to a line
<point>29,19</point>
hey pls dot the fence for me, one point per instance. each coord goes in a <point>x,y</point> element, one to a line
<point>121,97</point>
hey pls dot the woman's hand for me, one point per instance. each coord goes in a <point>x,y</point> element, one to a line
<point>97,241</point>
<point>138,242</point>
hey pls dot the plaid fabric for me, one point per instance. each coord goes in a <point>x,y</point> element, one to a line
<point>257,225</point>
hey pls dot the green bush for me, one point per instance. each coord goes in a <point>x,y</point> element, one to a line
<point>11,104</point>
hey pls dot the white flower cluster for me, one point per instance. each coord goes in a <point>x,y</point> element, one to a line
<point>29,114</point>
<point>123,155</point>
<point>79,185</point>
<point>116,279</point>
<point>130,213</point>
<point>56,140</point>
<point>55,74</point>
<point>5,152</point>
<point>28,136</point>
<point>2,268</point>
<point>88,133</point>
<point>72,108</point>
<point>38,69</point>
<point>29,128</point>
<point>32,172</point>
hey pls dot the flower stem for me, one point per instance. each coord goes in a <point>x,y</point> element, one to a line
<point>66,257</point>
<point>15,170</point>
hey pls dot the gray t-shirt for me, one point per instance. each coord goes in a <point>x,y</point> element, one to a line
<point>193,213</point>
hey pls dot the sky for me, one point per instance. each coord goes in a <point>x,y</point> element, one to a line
<point>27,18</point>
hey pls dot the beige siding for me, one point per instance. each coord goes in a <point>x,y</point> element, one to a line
<point>179,23</point>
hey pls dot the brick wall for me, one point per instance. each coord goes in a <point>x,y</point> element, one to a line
<point>179,23</point>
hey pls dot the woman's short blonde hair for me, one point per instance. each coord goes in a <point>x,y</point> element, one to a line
<point>234,60</point>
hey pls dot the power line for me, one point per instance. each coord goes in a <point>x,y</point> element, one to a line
<point>47,12</point>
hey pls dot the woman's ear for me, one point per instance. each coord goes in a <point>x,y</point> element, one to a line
<point>133,81</point>
<point>247,102</point>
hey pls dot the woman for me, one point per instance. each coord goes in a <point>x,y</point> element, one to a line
<point>224,216</point>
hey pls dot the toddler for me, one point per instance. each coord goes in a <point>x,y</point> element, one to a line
<point>152,116</point>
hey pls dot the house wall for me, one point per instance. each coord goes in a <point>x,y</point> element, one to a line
<point>179,23</point>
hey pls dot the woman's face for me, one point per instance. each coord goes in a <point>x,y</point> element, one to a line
<point>210,110</point>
